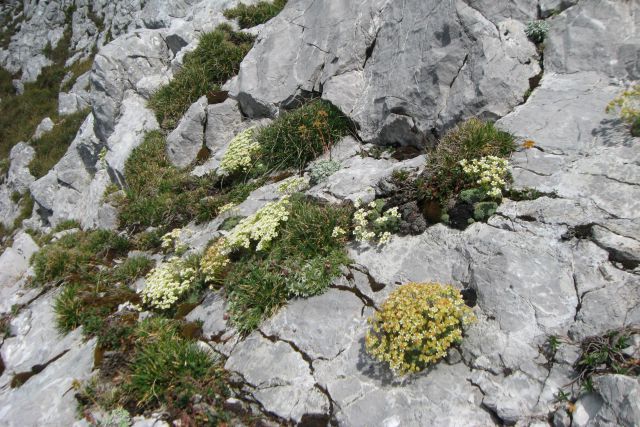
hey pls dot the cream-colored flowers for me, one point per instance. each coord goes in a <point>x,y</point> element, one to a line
<point>241,152</point>
<point>371,223</point>
<point>489,172</point>
<point>261,227</point>
<point>416,325</point>
<point>171,240</point>
<point>295,184</point>
<point>214,262</point>
<point>168,282</point>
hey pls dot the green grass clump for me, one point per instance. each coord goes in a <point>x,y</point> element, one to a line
<point>166,367</point>
<point>443,177</point>
<point>250,16</point>
<point>301,135</point>
<point>75,254</point>
<point>158,194</point>
<point>216,59</point>
<point>51,146</point>
<point>302,261</point>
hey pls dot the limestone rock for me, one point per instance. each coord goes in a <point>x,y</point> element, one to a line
<point>117,68</point>
<point>45,126</point>
<point>184,143</point>
<point>287,387</point>
<point>470,67</point>
<point>14,263</point>
<point>588,37</point>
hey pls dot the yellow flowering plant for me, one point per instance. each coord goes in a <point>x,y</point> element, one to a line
<point>416,325</point>
<point>627,104</point>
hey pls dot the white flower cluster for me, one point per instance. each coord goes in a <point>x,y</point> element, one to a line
<point>240,153</point>
<point>338,232</point>
<point>295,184</point>
<point>489,172</point>
<point>171,240</point>
<point>261,227</point>
<point>167,283</point>
<point>370,223</point>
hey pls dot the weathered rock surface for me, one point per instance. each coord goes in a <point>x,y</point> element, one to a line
<point>184,143</point>
<point>14,263</point>
<point>17,180</point>
<point>392,75</point>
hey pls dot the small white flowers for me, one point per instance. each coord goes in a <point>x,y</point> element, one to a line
<point>489,172</point>
<point>372,223</point>
<point>167,283</point>
<point>338,232</point>
<point>240,153</point>
<point>295,184</point>
<point>261,227</point>
<point>171,241</point>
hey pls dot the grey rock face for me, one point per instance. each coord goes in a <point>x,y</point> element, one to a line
<point>592,37</point>
<point>45,126</point>
<point>14,263</point>
<point>184,143</point>
<point>17,180</point>
<point>287,388</point>
<point>45,400</point>
<point>396,92</point>
<point>117,68</point>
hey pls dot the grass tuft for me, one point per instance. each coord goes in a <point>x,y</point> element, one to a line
<point>216,59</point>
<point>250,16</point>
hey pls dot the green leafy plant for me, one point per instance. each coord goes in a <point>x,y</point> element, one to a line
<point>216,59</point>
<point>537,31</point>
<point>604,354</point>
<point>444,177</point>
<point>627,104</point>
<point>416,325</point>
<point>301,261</point>
<point>259,13</point>
<point>322,170</point>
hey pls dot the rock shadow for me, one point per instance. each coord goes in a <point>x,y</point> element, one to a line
<point>613,132</point>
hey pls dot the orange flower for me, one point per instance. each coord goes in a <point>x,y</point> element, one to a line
<point>528,144</point>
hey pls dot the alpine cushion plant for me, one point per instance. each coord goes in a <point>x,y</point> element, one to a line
<point>241,152</point>
<point>372,223</point>
<point>168,282</point>
<point>489,173</point>
<point>628,106</point>
<point>416,325</point>
<point>261,227</point>
<point>537,31</point>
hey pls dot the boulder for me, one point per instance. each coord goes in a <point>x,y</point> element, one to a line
<point>453,63</point>
<point>186,141</point>
<point>45,126</point>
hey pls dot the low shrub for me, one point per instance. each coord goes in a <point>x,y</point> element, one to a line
<point>444,177</point>
<point>416,325</point>
<point>259,13</point>
<point>216,59</point>
<point>51,146</point>
<point>169,282</point>
<point>627,104</point>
